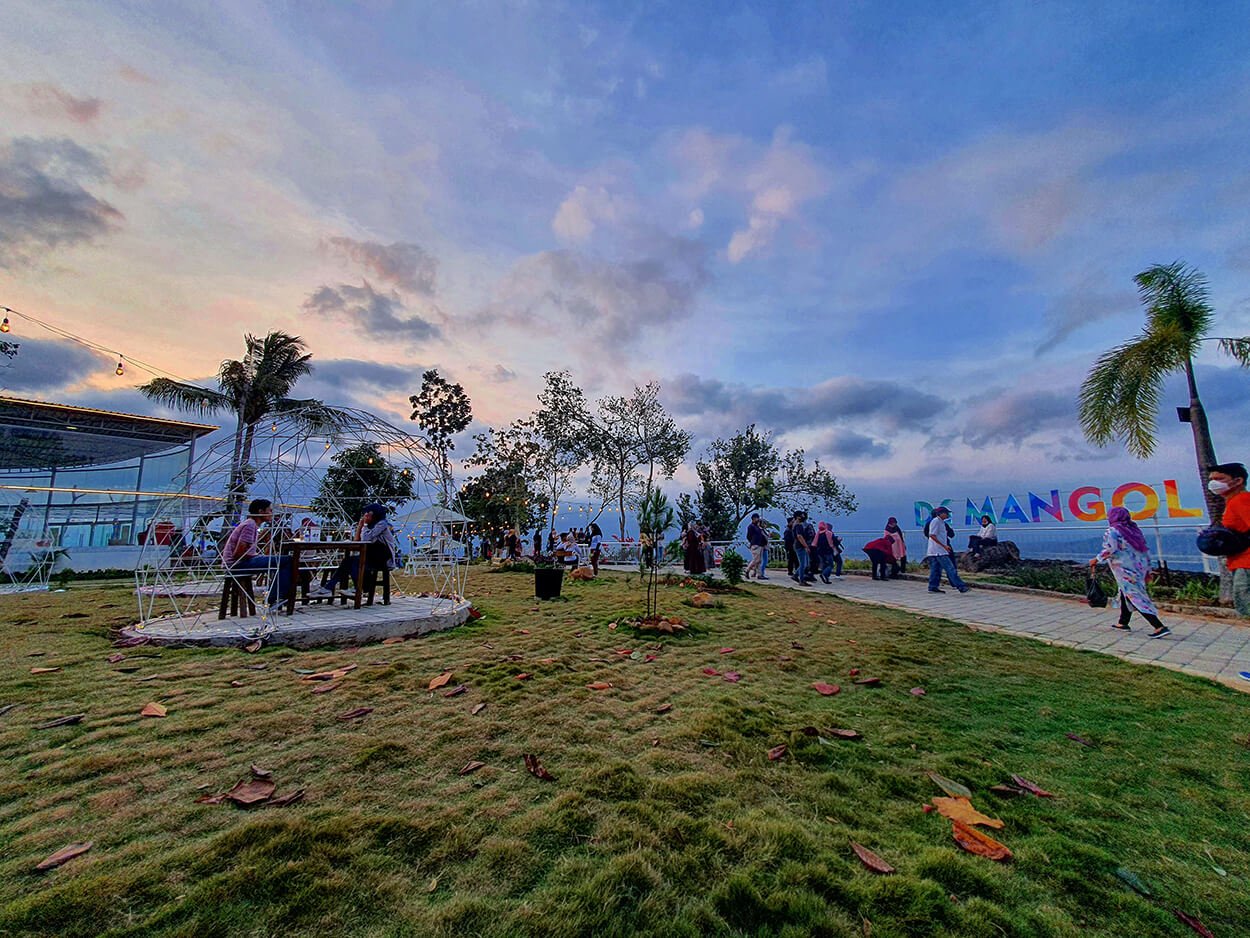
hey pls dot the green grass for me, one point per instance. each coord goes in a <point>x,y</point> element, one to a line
<point>673,824</point>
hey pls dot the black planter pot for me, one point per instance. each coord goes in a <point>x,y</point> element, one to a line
<point>548,581</point>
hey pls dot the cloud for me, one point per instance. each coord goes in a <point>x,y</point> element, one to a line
<point>1086,303</point>
<point>585,208</point>
<point>355,373</point>
<point>500,375</point>
<point>1012,417</point>
<point>373,313</point>
<point>848,445</point>
<point>810,76</point>
<point>49,99</point>
<point>50,364</point>
<point>403,264</point>
<point>42,199</point>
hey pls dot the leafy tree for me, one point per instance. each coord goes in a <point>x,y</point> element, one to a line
<point>9,349</point>
<point>686,511</point>
<point>508,491</point>
<point>494,500</point>
<point>748,473</point>
<point>560,431</point>
<point>252,388</point>
<point>442,410</point>
<point>713,512</point>
<point>630,439</point>
<point>654,518</point>
<point>357,477</point>
<point>1120,396</point>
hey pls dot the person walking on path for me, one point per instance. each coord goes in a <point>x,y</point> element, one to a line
<point>787,540</point>
<point>1228,480</point>
<point>826,550</point>
<point>1125,551</point>
<point>898,548</point>
<point>940,555</point>
<point>804,535</point>
<point>757,540</point>
<point>881,555</point>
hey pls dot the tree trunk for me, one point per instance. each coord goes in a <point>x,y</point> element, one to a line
<point>1204,451</point>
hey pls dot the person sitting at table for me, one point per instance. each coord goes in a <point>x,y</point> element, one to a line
<point>986,537</point>
<point>567,551</point>
<point>240,554</point>
<point>381,548</point>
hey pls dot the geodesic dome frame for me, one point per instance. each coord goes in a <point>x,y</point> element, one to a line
<point>27,552</point>
<point>180,575</point>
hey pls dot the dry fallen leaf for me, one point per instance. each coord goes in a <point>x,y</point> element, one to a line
<point>64,855</point>
<point>973,841</point>
<point>664,708</point>
<point>870,859</point>
<point>472,766</point>
<point>153,710</point>
<point>776,752</point>
<point>43,670</point>
<point>456,691</point>
<point>961,809</point>
<point>355,714</point>
<point>1030,787</point>
<point>393,640</point>
<point>61,721</point>
<point>250,792</point>
<point>599,685</point>
<point>854,672</point>
<point>711,672</point>
<point>733,677</point>
<point>477,708</point>
<point>1009,791</point>
<point>1186,919</point>
<point>826,690</point>
<point>844,733</point>
<point>917,691</point>
<point>612,626</point>
<point>258,772</point>
<point>283,800</point>
<point>1079,739</point>
<point>237,684</point>
<point>325,688</point>
<point>521,631</point>
<point>252,647</point>
<point>116,657</point>
<point>868,681</point>
<point>523,676</point>
<point>536,768</point>
<point>726,651</point>
<point>439,681</point>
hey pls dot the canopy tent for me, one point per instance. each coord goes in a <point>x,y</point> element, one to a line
<point>433,514</point>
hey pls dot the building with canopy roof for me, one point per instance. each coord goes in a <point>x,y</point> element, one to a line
<point>87,482</point>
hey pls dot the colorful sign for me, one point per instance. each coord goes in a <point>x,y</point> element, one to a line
<point>1086,503</point>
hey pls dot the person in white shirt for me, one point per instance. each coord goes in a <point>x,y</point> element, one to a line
<point>986,537</point>
<point>939,554</point>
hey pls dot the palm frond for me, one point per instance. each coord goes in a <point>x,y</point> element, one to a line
<point>185,397</point>
<point>1120,396</point>
<point>1176,298</point>
<point>1238,349</point>
<point>315,415</point>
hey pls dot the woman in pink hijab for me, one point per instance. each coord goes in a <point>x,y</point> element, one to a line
<point>898,547</point>
<point>1124,549</point>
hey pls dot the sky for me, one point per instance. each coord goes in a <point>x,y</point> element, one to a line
<point>896,236</point>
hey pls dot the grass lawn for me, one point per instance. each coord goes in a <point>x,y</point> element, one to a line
<point>670,824</point>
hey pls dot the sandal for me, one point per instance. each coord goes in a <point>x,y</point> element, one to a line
<point>1119,626</point>
<point>1163,632</point>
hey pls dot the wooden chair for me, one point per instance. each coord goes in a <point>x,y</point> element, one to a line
<point>234,589</point>
<point>371,585</point>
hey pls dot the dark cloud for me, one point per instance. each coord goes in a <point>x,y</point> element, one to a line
<point>1013,416</point>
<point>890,404</point>
<point>43,202</point>
<point>374,313</point>
<point>611,300</point>
<point>348,373</point>
<point>500,375</point>
<point>49,364</point>
<point>50,99</point>
<point>847,445</point>
<point>403,264</point>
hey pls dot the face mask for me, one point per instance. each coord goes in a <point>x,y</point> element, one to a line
<point>1217,487</point>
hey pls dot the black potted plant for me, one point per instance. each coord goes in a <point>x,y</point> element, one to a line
<point>548,577</point>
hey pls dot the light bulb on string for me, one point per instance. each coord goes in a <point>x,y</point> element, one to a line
<point>121,366</point>
<point>4,326</point>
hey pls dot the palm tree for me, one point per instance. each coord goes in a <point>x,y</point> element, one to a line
<point>1120,396</point>
<point>253,388</point>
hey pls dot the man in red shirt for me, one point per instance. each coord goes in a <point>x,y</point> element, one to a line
<point>1228,480</point>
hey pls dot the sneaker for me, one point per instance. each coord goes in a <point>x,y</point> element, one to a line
<point>937,591</point>
<point>964,589</point>
<point>349,594</point>
<point>1120,627</point>
<point>1160,633</point>
<point>1244,675</point>
<point>321,592</point>
<point>765,578</point>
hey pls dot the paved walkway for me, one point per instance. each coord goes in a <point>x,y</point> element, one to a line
<point>1212,648</point>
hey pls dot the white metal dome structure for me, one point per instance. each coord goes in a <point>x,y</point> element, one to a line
<point>27,551</point>
<point>318,467</point>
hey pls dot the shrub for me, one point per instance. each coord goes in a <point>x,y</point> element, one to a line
<point>732,564</point>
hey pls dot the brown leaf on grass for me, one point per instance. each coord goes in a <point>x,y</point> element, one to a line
<point>917,692</point>
<point>439,681</point>
<point>471,766</point>
<point>252,647</point>
<point>250,792</point>
<point>611,626</point>
<point>664,708</point>
<point>973,841</point>
<point>599,685</point>
<point>520,631</point>
<point>776,752</point>
<point>1079,739</point>
<point>456,691</point>
<point>6,708</point>
<point>624,652</point>
<point>826,690</point>
<point>115,657</point>
<point>868,681</point>
<point>1008,791</point>
<point>64,855</point>
<point>237,684</point>
<point>477,708</point>
<point>870,859</point>
<point>393,640</point>
<point>153,710</point>
<point>355,713</point>
<point>952,788</point>
<point>854,672</point>
<point>258,772</point>
<point>325,688</point>
<point>844,734</point>
<point>36,654</point>
<point>650,658</point>
<point>711,672</point>
<point>797,646</point>
<point>727,651</point>
<point>257,667</point>
<point>331,675</point>
<point>961,809</point>
<point>523,676</point>
<point>289,798</point>
<point>43,670</point>
<point>1186,919</point>
<point>61,721</point>
<point>733,677</point>
<point>210,799</point>
<point>536,769</point>
<point>1030,787</point>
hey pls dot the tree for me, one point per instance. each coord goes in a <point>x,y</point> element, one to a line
<point>630,439</point>
<point>560,430</point>
<point>748,473</point>
<point>9,349</point>
<point>686,512</point>
<point>654,518</point>
<point>504,493</point>
<point>357,477</point>
<point>442,410</point>
<point>1120,396</point>
<point>252,388</point>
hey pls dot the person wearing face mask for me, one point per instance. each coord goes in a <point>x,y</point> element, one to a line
<point>1228,481</point>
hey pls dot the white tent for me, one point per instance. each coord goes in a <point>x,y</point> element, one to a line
<point>432,514</point>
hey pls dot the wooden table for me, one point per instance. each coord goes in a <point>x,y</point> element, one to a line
<point>296,548</point>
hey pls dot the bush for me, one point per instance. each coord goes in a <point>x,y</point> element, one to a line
<point>732,564</point>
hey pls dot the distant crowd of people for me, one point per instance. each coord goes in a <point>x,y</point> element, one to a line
<point>568,547</point>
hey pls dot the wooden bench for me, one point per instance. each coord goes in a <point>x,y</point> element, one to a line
<point>234,589</point>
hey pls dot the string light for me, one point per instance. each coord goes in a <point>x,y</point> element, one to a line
<point>4,326</point>
<point>121,366</point>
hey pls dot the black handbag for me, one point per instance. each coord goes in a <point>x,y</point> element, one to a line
<point>1094,594</point>
<point>1222,542</point>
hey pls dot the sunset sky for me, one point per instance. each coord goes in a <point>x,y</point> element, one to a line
<point>896,235</point>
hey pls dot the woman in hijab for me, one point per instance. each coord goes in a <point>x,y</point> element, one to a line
<point>826,548</point>
<point>898,547</point>
<point>694,550</point>
<point>1125,551</point>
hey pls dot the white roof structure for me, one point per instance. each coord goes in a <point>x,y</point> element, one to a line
<point>433,514</point>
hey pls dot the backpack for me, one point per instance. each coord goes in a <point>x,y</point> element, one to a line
<point>1219,541</point>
